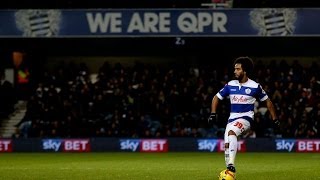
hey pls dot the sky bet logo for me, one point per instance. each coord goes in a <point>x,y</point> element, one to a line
<point>66,145</point>
<point>285,144</point>
<point>129,144</point>
<point>51,144</point>
<point>144,145</point>
<point>207,145</point>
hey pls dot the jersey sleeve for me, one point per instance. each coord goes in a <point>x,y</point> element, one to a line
<point>224,92</point>
<point>261,93</point>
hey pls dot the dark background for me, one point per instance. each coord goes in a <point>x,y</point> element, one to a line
<point>161,46</point>
<point>206,46</point>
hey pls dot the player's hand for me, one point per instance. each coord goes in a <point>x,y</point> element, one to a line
<point>212,118</point>
<point>276,122</point>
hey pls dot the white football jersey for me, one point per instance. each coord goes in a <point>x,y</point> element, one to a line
<point>242,98</point>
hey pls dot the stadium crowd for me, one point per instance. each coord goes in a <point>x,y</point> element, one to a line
<point>7,96</point>
<point>151,101</point>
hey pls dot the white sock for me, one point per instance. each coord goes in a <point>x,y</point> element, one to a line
<point>226,155</point>
<point>233,146</point>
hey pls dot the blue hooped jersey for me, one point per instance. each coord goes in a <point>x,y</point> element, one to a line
<point>242,98</point>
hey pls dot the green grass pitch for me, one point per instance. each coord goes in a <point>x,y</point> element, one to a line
<point>141,166</point>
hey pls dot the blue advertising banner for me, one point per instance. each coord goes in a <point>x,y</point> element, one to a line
<point>158,22</point>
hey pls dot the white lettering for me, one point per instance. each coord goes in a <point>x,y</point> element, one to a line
<point>204,19</point>
<point>207,145</point>
<point>110,22</point>
<point>68,145</point>
<point>150,22</point>
<point>193,23</point>
<point>164,25</point>
<point>309,146</point>
<point>75,145</point>
<point>161,144</point>
<point>129,145</point>
<point>51,144</point>
<point>187,22</point>
<point>83,144</point>
<point>4,145</point>
<point>317,145</point>
<point>285,145</point>
<point>136,23</point>
<point>239,145</point>
<point>219,22</point>
<point>153,145</point>
<point>302,146</point>
<point>149,145</point>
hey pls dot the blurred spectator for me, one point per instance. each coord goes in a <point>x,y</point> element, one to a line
<point>7,96</point>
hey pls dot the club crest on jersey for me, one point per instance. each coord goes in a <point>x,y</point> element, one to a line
<point>248,91</point>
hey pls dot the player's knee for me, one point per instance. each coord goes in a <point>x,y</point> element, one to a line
<point>231,133</point>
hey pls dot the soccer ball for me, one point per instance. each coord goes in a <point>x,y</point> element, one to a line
<point>227,175</point>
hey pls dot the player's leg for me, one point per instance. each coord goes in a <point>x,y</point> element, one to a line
<point>226,146</point>
<point>234,129</point>
<point>233,147</point>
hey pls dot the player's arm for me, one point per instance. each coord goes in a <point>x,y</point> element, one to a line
<point>272,111</point>
<point>214,104</point>
<point>215,101</point>
<point>264,97</point>
<point>224,92</point>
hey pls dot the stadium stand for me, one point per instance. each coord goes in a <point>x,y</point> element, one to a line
<point>145,100</point>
